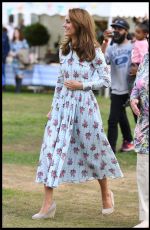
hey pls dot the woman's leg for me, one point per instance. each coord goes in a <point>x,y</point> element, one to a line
<point>47,199</point>
<point>18,83</point>
<point>106,193</point>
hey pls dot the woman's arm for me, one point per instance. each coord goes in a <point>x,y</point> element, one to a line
<point>134,97</point>
<point>73,85</point>
<point>101,76</point>
<point>58,88</point>
<point>25,44</point>
<point>59,85</point>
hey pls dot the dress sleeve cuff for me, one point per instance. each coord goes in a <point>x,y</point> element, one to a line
<point>87,86</point>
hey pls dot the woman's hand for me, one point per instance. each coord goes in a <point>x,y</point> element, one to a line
<point>73,85</point>
<point>134,106</point>
<point>12,54</point>
<point>48,115</point>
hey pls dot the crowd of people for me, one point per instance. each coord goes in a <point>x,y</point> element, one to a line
<point>16,47</point>
<point>16,50</point>
<point>75,147</point>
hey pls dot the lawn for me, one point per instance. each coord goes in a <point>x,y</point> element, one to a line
<point>78,205</point>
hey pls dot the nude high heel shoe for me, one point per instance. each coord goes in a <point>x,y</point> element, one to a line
<point>107,211</point>
<point>50,213</point>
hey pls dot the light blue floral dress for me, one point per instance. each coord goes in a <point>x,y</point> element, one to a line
<point>15,46</point>
<point>75,147</point>
<point>141,91</point>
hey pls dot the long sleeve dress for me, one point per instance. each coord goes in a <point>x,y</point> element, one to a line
<point>141,91</point>
<point>75,147</point>
<point>15,46</point>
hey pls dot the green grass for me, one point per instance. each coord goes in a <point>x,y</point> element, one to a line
<point>74,210</point>
<point>24,119</point>
<point>23,116</point>
<point>21,158</point>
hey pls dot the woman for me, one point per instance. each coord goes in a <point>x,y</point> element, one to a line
<point>18,43</point>
<point>139,100</point>
<point>75,148</point>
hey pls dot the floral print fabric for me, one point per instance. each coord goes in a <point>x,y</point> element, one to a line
<point>75,147</point>
<point>15,47</point>
<point>141,91</point>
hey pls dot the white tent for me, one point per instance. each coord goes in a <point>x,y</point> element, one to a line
<point>103,9</point>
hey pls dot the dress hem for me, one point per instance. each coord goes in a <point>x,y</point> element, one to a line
<point>78,182</point>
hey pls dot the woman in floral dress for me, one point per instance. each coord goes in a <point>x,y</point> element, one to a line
<point>140,96</point>
<point>18,43</point>
<point>75,148</point>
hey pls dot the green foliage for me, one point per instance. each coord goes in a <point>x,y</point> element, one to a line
<point>36,34</point>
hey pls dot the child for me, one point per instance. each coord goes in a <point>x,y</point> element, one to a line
<point>140,48</point>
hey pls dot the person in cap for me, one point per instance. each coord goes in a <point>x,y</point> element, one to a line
<point>118,55</point>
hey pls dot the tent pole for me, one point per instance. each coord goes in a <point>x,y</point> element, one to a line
<point>109,22</point>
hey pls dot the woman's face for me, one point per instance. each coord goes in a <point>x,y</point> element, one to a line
<point>69,29</point>
<point>16,33</point>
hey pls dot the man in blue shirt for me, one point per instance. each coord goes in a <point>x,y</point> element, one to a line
<point>118,55</point>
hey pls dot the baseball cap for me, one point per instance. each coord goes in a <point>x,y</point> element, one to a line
<point>121,23</point>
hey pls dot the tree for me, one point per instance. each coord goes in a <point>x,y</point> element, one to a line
<point>36,34</point>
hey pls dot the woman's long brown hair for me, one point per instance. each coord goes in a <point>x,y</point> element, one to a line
<point>21,37</point>
<point>85,32</point>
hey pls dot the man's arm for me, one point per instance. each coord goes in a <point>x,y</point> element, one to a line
<point>107,35</point>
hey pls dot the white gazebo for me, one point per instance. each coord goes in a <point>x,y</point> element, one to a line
<point>103,9</point>
<point>108,10</point>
